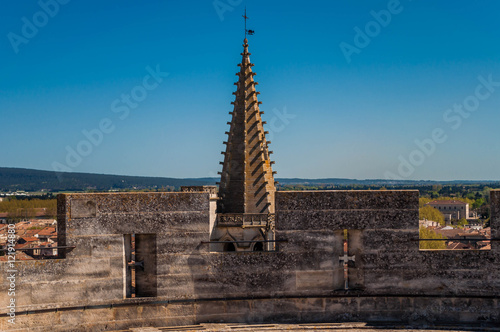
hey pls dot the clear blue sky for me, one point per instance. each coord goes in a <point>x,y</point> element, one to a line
<point>352,119</point>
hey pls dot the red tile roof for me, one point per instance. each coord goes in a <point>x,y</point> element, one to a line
<point>29,238</point>
<point>21,246</point>
<point>47,231</point>
<point>439,202</point>
<point>29,232</point>
<point>458,246</point>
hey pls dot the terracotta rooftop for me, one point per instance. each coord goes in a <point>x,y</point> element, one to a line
<point>21,246</point>
<point>29,232</point>
<point>448,232</point>
<point>458,246</point>
<point>48,231</point>
<point>29,238</point>
<point>449,202</point>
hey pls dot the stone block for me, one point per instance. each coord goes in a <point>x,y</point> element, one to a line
<point>338,305</point>
<point>391,239</point>
<point>98,315</point>
<point>125,313</point>
<point>64,292</point>
<point>181,309</point>
<point>238,306</point>
<point>83,208</point>
<point>162,202</point>
<point>181,242</point>
<point>152,311</point>
<point>104,290</point>
<point>320,280</point>
<point>304,240</point>
<point>210,308</point>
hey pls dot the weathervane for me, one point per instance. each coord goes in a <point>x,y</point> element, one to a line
<point>249,32</point>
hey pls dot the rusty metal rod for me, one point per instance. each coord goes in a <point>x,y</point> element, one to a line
<point>456,239</point>
<point>205,242</point>
<point>24,249</point>
<point>338,294</point>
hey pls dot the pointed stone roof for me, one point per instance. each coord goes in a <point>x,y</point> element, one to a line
<point>247,182</point>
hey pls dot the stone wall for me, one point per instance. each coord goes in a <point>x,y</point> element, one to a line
<point>303,281</point>
<point>93,273</point>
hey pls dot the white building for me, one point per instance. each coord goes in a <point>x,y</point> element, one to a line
<point>452,210</point>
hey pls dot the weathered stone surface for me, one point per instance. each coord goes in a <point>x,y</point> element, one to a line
<point>347,200</point>
<point>83,208</point>
<point>311,240</point>
<point>320,280</point>
<point>345,219</point>
<point>397,280</point>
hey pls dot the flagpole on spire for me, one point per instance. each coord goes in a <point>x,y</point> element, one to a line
<point>247,32</point>
<point>246,18</point>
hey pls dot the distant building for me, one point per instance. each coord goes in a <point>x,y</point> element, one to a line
<point>428,223</point>
<point>476,224</point>
<point>451,210</point>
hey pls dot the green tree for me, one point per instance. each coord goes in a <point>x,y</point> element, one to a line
<point>430,213</point>
<point>426,233</point>
<point>486,193</point>
<point>26,208</point>
<point>422,201</point>
<point>478,203</point>
<point>462,222</point>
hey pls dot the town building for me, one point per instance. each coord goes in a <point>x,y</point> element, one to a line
<point>451,209</point>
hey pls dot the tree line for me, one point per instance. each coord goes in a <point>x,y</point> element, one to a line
<point>17,208</point>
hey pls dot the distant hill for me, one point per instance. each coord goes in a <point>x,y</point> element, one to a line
<point>14,179</point>
<point>376,182</point>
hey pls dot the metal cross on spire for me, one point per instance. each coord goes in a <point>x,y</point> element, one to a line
<point>249,32</point>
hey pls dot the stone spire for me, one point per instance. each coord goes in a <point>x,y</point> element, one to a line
<point>247,182</point>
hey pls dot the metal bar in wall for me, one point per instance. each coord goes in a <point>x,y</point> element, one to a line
<point>208,242</point>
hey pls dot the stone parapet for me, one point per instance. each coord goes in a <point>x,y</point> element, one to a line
<point>245,219</point>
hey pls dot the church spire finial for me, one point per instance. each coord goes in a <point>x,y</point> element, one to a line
<point>246,18</point>
<point>247,31</point>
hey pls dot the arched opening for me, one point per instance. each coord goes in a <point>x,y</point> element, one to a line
<point>229,247</point>
<point>259,246</point>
